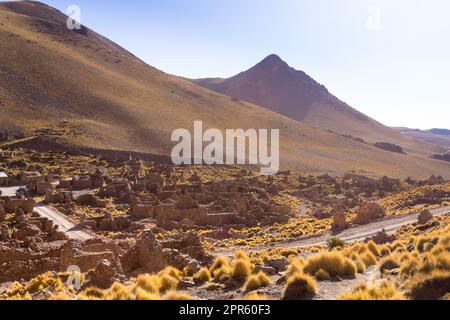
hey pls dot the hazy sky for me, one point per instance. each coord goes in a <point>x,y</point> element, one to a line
<point>387,58</point>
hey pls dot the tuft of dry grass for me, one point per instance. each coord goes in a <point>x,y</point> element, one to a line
<point>168,283</point>
<point>241,269</point>
<point>257,281</point>
<point>322,275</point>
<point>141,294</point>
<point>255,297</point>
<point>149,283</point>
<point>300,286</point>
<point>177,296</point>
<point>202,276</point>
<point>430,286</point>
<point>385,291</point>
<point>335,263</point>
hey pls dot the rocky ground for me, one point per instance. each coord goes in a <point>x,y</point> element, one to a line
<point>130,229</point>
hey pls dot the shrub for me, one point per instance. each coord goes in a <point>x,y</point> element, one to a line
<point>168,283</point>
<point>149,283</point>
<point>335,242</point>
<point>223,273</point>
<point>176,296</point>
<point>295,267</point>
<point>92,293</point>
<point>255,297</point>
<point>373,247</point>
<point>241,269</point>
<point>218,263</point>
<point>429,286</point>
<point>389,263</point>
<point>142,294</point>
<point>365,292</point>
<point>118,292</point>
<point>385,251</point>
<point>300,286</point>
<point>171,271</point>
<point>368,258</point>
<point>322,275</point>
<point>332,262</point>
<point>202,276</point>
<point>241,255</point>
<point>257,281</point>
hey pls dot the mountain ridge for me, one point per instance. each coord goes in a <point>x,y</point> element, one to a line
<point>79,91</point>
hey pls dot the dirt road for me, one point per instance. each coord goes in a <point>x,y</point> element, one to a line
<point>65,225</point>
<point>350,235</point>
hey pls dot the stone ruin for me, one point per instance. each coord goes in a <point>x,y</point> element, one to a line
<point>369,212</point>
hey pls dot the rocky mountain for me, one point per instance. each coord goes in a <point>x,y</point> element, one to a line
<point>76,89</point>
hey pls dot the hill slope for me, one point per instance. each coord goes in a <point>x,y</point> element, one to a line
<point>275,85</point>
<point>81,90</point>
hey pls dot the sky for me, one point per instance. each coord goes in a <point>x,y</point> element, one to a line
<point>388,59</point>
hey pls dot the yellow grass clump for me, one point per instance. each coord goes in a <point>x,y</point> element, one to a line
<point>257,281</point>
<point>255,297</point>
<point>241,269</point>
<point>384,291</point>
<point>149,283</point>
<point>202,276</point>
<point>218,263</point>
<point>429,286</point>
<point>300,286</point>
<point>168,283</point>
<point>178,296</point>
<point>144,295</point>
<point>322,275</point>
<point>335,263</point>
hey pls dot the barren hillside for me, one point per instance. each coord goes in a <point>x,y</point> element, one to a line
<point>79,89</point>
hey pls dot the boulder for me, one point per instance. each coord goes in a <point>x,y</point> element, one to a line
<point>424,217</point>
<point>279,263</point>
<point>149,252</point>
<point>369,212</point>
<point>339,221</point>
<point>104,275</point>
<point>25,230</point>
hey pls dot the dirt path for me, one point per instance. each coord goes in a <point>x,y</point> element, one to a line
<point>350,235</point>
<point>65,225</point>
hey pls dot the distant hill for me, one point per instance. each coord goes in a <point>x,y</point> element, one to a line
<point>433,136</point>
<point>440,132</point>
<point>80,90</point>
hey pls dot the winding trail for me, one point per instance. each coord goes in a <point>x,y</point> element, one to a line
<point>359,233</point>
<point>64,224</point>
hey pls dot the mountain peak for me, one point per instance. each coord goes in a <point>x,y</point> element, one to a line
<point>273,60</point>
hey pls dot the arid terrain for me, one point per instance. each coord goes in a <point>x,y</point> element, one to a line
<point>142,230</point>
<point>118,102</point>
<point>93,208</point>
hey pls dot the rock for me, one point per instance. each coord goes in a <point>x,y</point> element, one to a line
<point>184,284</point>
<point>4,234</point>
<point>193,266</point>
<point>279,263</point>
<point>2,213</point>
<point>4,135</point>
<point>26,230</point>
<point>187,203</point>
<point>339,222</point>
<point>266,269</point>
<point>87,200</point>
<point>149,252</point>
<point>104,275</point>
<point>424,217</point>
<point>369,212</point>
<point>382,237</point>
